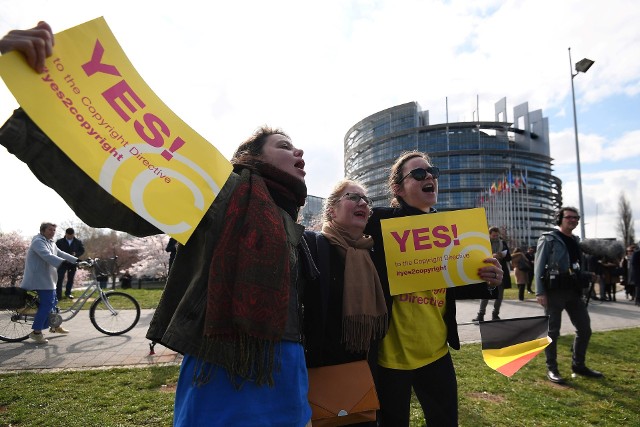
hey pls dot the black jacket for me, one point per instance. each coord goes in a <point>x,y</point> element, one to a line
<point>76,248</point>
<point>323,307</point>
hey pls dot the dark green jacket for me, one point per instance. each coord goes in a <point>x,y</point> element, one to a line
<point>179,319</point>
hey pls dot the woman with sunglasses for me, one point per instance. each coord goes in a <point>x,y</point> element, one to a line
<point>345,308</point>
<point>415,351</point>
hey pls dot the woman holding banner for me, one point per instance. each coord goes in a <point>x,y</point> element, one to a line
<point>231,304</point>
<point>415,351</point>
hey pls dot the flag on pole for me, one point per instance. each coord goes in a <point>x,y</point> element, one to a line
<point>509,344</point>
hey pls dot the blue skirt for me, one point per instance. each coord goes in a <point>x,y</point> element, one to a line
<point>219,403</point>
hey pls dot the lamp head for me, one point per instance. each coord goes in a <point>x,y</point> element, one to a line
<point>583,65</point>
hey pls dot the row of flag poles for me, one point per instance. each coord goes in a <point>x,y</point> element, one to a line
<point>506,204</point>
<point>509,344</point>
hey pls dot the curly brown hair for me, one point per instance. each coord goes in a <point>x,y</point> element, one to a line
<point>252,147</point>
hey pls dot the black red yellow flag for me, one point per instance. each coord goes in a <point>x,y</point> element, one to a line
<point>509,344</point>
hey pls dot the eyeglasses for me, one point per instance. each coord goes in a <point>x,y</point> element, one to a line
<point>420,174</point>
<point>355,197</point>
<point>577,218</point>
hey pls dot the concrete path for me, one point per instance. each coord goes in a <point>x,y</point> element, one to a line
<point>86,348</point>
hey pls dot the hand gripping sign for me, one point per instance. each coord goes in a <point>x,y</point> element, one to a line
<point>94,105</point>
<point>435,251</point>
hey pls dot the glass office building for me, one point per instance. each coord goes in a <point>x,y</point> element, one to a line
<point>472,157</point>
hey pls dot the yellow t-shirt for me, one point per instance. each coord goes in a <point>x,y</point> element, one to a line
<point>417,334</point>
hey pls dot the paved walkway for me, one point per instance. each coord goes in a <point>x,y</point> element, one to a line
<point>86,348</point>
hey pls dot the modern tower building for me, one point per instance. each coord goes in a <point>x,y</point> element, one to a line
<point>500,165</point>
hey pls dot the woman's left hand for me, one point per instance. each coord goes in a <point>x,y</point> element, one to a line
<point>492,274</point>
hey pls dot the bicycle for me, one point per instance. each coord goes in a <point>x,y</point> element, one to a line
<point>112,312</point>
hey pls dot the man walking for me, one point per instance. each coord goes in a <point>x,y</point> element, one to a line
<point>500,252</point>
<point>557,267</point>
<point>72,246</point>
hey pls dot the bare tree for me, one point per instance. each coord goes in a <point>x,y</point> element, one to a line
<point>625,220</point>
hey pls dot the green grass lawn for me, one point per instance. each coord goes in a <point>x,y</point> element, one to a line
<point>144,396</point>
<point>147,298</point>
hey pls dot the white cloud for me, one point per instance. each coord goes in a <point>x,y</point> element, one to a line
<point>316,69</point>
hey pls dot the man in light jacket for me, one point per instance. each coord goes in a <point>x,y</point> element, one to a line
<point>559,268</point>
<point>41,275</point>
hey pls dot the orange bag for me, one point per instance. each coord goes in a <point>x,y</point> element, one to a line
<point>342,394</point>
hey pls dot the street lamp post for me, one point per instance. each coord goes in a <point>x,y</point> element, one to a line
<point>581,67</point>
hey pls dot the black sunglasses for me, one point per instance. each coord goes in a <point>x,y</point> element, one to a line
<point>355,197</point>
<point>420,174</point>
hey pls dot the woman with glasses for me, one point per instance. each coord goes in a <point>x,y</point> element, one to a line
<point>345,308</point>
<point>415,351</point>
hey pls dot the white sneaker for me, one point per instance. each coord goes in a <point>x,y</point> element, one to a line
<point>38,338</point>
<point>58,330</point>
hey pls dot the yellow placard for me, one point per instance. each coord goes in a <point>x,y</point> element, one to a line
<point>435,251</point>
<point>95,106</point>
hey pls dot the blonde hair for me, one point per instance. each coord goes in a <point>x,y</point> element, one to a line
<point>335,195</point>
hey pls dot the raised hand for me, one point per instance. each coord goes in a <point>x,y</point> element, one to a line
<point>36,44</point>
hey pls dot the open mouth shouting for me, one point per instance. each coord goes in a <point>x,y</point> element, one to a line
<point>428,188</point>
<point>300,165</point>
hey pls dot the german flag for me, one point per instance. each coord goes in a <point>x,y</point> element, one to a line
<point>508,345</point>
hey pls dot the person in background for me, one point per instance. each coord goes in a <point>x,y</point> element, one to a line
<point>42,261</point>
<point>172,248</point>
<point>415,351</point>
<point>503,255</point>
<point>629,288</point>
<point>71,245</point>
<point>125,280</point>
<point>530,254</point>
<point>608,278</point>
<point>232,303</point>
<point>345,308</point>
<point>521,268</point>
<point>634,272</point>
<point>558,268</point>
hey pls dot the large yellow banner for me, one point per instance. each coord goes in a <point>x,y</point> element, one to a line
<point>94,105</point>
<point>435,251</point>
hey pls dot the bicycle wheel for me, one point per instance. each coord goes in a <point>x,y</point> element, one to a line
<point>16,324</point>
<point>115,313</point>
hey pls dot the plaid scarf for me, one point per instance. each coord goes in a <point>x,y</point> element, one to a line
<point>364,312</point>
<point>249,277</point>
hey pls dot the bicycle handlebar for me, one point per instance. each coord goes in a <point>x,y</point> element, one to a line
<point>90,262</point>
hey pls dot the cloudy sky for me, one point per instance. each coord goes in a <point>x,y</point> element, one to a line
<point>317,68</point>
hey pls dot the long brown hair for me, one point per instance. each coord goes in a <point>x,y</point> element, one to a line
<point>395,176</point>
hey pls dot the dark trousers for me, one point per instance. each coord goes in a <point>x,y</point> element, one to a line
<point>570,300</point>
<point>497,303</point>
<point>435,386</point>
<point>71,273</point>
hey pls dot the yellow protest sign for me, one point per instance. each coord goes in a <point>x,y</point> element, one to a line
<point>94,105</point>
<point>435,251</point>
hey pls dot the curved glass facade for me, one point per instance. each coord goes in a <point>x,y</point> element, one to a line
<point>472,156</point>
